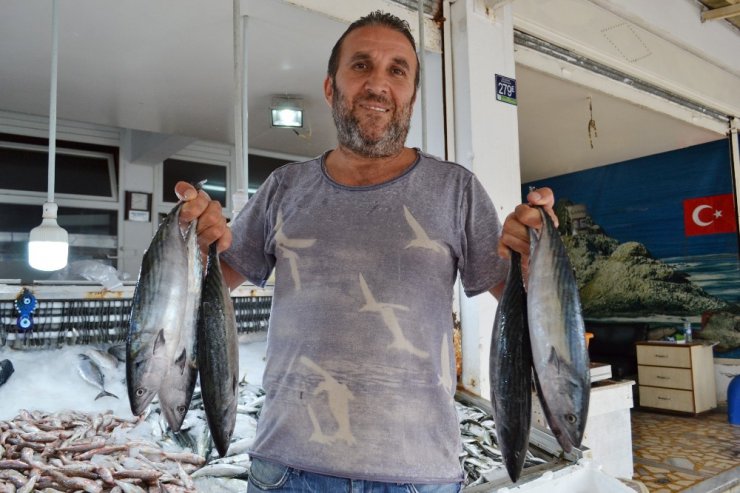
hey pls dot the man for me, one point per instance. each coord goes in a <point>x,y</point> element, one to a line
<point>366,242</point>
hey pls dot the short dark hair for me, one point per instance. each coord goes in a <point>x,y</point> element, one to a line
<point>377,18</point>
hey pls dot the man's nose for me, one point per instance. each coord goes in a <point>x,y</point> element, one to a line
<point>376,82</point>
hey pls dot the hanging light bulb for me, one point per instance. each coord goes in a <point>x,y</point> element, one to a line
<point>48,244</point>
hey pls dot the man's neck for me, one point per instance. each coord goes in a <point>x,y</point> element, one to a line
<point>352,169</point>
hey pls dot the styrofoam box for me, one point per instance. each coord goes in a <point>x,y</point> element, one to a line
<point>583,477</point>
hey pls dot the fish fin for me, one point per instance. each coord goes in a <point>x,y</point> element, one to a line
<point>560,365</point>
<point>105,393</point>
<point>554,359</point>
<point>235,385</point>
<point>159,342</point>
<point>181,360</point>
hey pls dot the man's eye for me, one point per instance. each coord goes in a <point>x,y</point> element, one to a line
<point>398,71</point>
<point>360,66</point>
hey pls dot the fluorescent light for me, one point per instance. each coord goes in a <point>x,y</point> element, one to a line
<point>214,188</point>
<point>48,244</point>
<point>287,112</point>
<point>287,118</point>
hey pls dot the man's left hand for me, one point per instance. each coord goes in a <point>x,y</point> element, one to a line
<point>515,235</point>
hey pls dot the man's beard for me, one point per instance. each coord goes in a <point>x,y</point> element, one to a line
<point>351,136</point>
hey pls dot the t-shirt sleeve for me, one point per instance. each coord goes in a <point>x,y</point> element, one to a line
<point>480,266</point>
<point>251,253</point>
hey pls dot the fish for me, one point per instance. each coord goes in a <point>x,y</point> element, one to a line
<point>6,370</point>
<point>118,351</point>
<point>91,373</point>
<point>557,334</point>
<point>218,354</point>
<point>220,470</point>
<point>156,311</point>
<point>178,384</point>
<point>102,358</point>
<point>510,371</point>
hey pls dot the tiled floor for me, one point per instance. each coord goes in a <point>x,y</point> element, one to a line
<point>686,453</point>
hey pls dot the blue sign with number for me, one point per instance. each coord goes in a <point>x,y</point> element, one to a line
<point>505,89</point>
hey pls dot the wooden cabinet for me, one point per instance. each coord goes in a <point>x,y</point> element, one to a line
<point>676,377</point>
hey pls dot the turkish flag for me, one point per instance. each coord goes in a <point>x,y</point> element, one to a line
<point>709,215</point>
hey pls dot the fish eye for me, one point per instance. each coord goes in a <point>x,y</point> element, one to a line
<point>181,409</point>
<point>140,392</point>
<point>571,418</point>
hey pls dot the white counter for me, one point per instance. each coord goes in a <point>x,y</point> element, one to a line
<point>607,440</point>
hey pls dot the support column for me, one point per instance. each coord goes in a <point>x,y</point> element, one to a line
<point>240,170</point>
<point>735,157</point>
<point>487,142</point>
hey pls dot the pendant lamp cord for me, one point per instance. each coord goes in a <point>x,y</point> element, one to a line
<point>53,100</point>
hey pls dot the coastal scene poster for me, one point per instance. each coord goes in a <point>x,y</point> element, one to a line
<point>655,239</point>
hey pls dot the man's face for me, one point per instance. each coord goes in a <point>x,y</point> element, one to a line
<point>373,92</point>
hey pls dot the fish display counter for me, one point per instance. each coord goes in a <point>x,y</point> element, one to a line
<point>67,312</point>
<point>65,422</point>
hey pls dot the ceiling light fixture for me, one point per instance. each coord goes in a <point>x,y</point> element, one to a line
<point>287,112</point>
<point>48,244</point>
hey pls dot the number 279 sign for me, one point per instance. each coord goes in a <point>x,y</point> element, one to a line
<point>505,89</point>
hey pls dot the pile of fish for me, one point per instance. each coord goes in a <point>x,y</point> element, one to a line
<point>539,333</point>
<point>482,457</point>
<point>100,452</point>
<point>182,326</point>
<point>70,452</point>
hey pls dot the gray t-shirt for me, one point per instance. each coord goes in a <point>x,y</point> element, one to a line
<point>360,371</point>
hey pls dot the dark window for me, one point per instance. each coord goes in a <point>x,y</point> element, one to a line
<point>178,170</point>
<point>260,168</point>
<point>25,168</point>
<point>21,218</point>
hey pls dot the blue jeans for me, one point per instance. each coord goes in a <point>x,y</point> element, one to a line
<point>270,476</point>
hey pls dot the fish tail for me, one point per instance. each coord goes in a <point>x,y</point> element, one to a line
<point>105,393</point>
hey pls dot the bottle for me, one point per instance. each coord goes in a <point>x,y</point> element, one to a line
<point>687,330</point>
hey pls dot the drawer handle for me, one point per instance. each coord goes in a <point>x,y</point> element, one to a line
<point>661,355</point>
<point>664,398</point>
<point>661,377</point>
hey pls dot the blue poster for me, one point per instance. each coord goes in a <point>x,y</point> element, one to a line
<point>678,204</point>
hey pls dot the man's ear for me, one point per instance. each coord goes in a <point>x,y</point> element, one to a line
<point>328,90</point>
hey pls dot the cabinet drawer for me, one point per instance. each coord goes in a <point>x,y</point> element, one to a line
<point>660,376</point>
<point>677,356</point>
<point>671,399</point>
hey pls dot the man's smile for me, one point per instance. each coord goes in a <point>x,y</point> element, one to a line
<point>373,107</point>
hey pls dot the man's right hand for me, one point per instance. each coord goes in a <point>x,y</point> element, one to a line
<point>211,221</point>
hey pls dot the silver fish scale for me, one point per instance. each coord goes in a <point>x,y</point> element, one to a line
<point>156,312</point>
<point>218,354</point>
<point>178,383</point>
<point>557,335</point>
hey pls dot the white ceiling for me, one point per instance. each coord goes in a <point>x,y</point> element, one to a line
<point>167,66</point>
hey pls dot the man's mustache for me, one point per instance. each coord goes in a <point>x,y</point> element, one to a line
<point>375,98</point>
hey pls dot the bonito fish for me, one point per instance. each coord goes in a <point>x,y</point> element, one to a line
<point>557,334</point>
<point>178,384</point>
<point>510,367</point>
<point>91,373</point>
<point>218,354</point>
<point>156,312</point>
